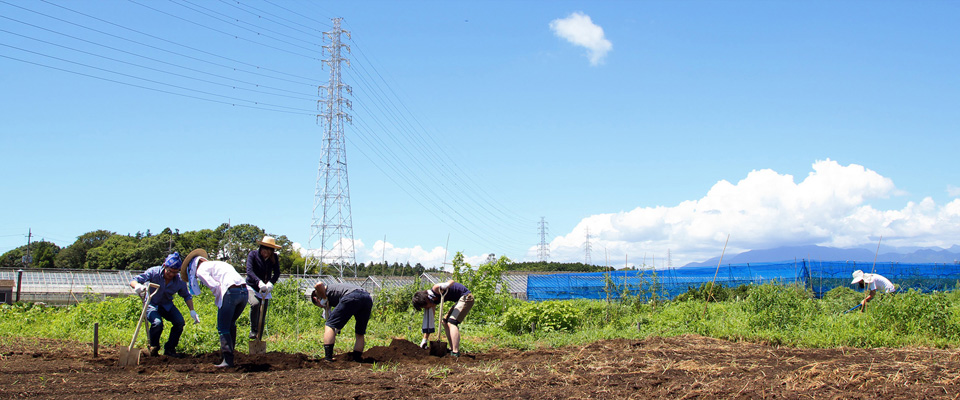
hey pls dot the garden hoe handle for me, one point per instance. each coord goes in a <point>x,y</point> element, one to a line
<point>440,322</point>
<point>146,303</point>
<point>854,308</point>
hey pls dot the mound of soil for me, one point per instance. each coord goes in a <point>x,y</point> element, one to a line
<point>676,367</point>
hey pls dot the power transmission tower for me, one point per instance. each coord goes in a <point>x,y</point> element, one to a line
<point>543,252</point>
<point>586,248</point>
<point>332,220</point>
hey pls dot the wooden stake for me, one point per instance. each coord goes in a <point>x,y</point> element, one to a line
<point>96,339</point>
<point>710,295</point>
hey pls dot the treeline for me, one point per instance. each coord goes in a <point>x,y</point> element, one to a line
<point>103,249</point>
<point>542,266</point>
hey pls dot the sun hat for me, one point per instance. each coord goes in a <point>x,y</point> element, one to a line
<point>269,241</point>
<point>857,276</point>
<point>184,273</point>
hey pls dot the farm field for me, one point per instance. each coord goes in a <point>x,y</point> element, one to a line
<point>686,366</point>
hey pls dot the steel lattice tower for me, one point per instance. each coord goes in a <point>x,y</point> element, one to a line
<point>332,220</point>
<point>543,252</point>
<point>586,248</point>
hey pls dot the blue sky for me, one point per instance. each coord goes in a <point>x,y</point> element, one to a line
<point>659,126</point>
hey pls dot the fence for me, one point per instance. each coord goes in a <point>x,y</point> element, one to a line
<point>818,276</point>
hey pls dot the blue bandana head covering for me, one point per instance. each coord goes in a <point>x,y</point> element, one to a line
<point>173,261</point>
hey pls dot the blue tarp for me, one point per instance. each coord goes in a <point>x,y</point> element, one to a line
<point>818,276</point>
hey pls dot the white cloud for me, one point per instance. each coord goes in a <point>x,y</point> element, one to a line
<point>764,210</point>
<point>579,30</point>
<point>953,191</point>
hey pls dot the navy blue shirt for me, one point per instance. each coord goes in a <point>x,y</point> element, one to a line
<point>454,293</point>
<point>164,296</point>
<point>259,269</point>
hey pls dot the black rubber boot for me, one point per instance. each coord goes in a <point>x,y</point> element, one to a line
<point>226,350</point>
<point>328,352</point>
<point>356,356</point>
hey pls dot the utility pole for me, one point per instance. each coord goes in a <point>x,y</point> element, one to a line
<point>543,251</point>
<point>332,219</point>
<point>26,259</point>
<point>586,248</point>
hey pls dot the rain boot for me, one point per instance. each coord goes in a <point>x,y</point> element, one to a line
<point>227,351</point>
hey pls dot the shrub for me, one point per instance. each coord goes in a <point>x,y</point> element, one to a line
<point>777,307</point>
<point>545,316</point>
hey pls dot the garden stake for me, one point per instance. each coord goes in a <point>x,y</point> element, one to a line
<point>709,296</point>
<point>127,355</point>
<point>258,346</point>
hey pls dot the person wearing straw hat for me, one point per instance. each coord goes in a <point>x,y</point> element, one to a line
<point>347,300</point>
<point>871,282</point>
<point>229,293</point>
<point>161,307</point>
<point>263,270</point>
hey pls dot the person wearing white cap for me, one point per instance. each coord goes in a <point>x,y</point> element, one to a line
<point>263,271</point>
<point>229,292</point>
<point>871,282</point>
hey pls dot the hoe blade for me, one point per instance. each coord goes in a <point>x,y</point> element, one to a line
<point>438,348</point>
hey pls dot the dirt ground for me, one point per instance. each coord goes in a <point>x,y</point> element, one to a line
<point>675,368</point>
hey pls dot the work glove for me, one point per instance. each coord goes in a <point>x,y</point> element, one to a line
<point>423,343</point>
<point>196,318</point>
<point>269,287</point>
<point>140,289</point>
<point>263,287</point>
<point>251,297</point>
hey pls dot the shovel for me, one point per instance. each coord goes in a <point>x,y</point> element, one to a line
<point>127,355</point>
<point>258,346</point>
<point>438,347</point>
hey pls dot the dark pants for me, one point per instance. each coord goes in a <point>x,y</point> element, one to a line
<point>230,310</point>
<point>255,317</point>
<point>356,304</point>
<point>155,316</point>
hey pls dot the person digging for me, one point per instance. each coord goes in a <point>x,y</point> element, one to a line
<point>263,271</point>
<point>161,307</point>
<point>872,283</point>
<point>229,292</point>
<point>427,300</point>
<point>340,302</point>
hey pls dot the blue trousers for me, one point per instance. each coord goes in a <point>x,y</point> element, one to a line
<point>232,307</point>
<point>155,316</point>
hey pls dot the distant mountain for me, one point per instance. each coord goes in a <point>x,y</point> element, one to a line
<point>812,252</point>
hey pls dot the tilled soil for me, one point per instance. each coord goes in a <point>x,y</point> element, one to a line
<point>675,368</point>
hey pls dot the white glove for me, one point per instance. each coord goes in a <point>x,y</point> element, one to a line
<point>251,297</point>
<point>444,286</point>
<point>324,313</point>
<point>140,289</point>
<point>263,287</point>
<point>423,344</point>
<point>269,287</point>
<point>196,318</point>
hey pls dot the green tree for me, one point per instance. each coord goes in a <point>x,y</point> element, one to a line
<point>117,252</point>
<point>13,258</point>
<point>44,253</point>
<point>206,239</point>
<point>237,241</point>
<point>75,255</point>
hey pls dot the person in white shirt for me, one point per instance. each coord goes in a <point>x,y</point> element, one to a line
<point>229,291</point>
<point>872,283</point>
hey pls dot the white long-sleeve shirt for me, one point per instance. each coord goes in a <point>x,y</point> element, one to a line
<point>219,276</point>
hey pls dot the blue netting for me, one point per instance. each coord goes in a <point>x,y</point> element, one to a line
<point>818,276</point>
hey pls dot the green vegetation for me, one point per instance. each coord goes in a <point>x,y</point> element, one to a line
<point>772,313</point>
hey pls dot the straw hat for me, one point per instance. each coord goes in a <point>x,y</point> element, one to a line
<point>269,241</point>
<point>189,258</point>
